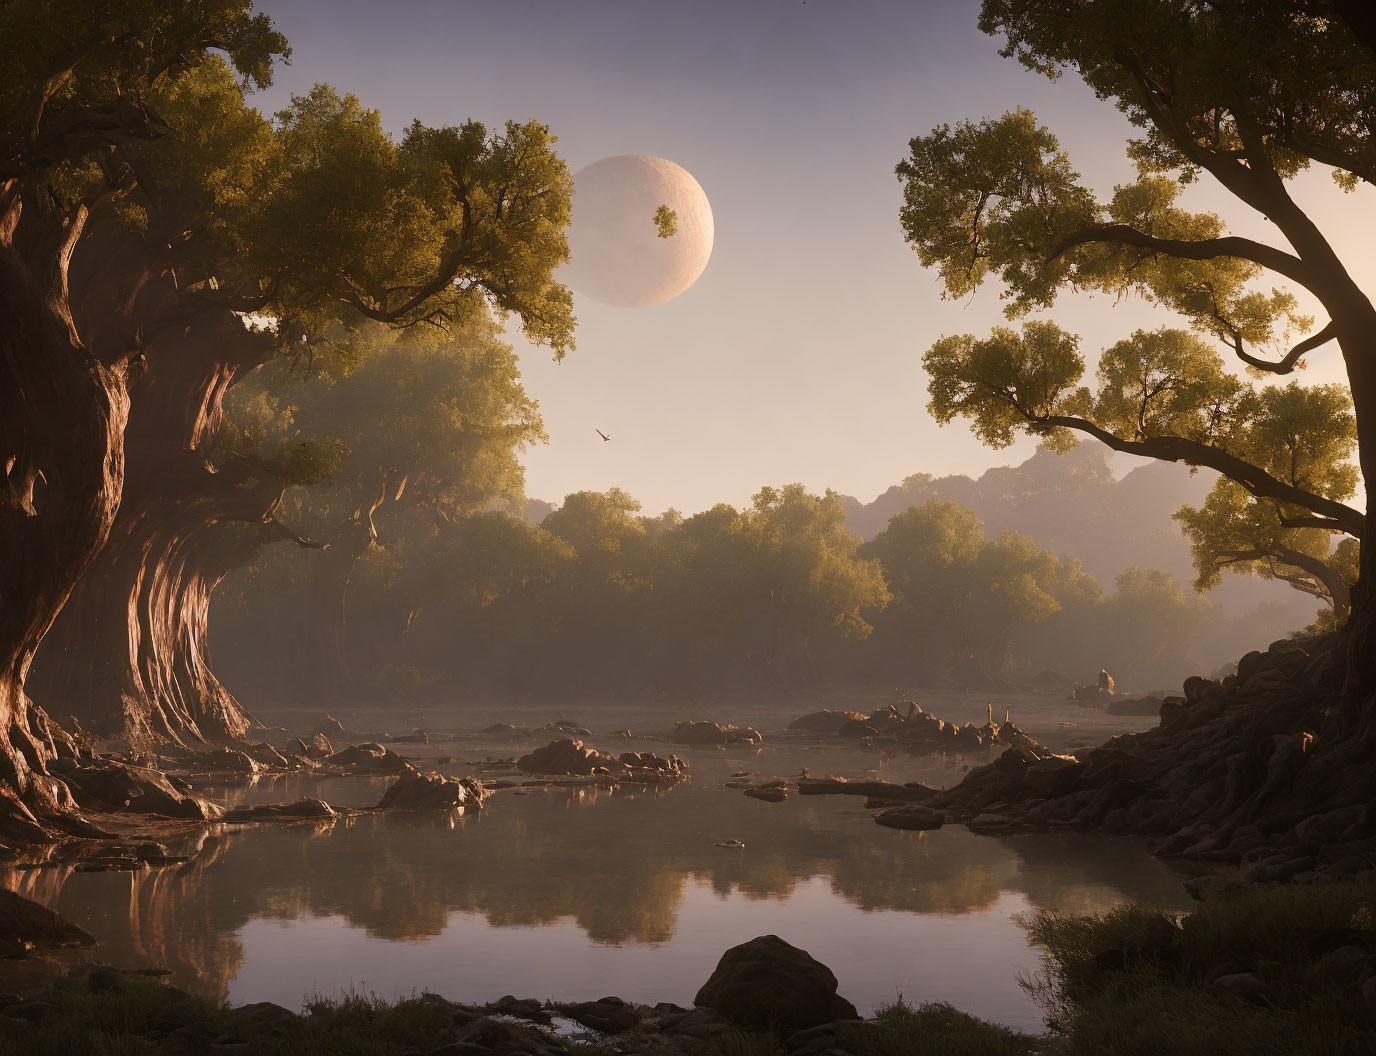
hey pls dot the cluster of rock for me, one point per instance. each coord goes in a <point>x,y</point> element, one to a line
<point>912,728</point>
<point>715,734</point>
<point>114,783</point>
<point>567,727</point>
<point>416,791</point>
<point>1261,769</point>
<point>110,785</point>
<point>567,756</point>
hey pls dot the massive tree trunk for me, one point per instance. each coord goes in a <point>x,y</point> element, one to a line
<point>129,653</point>
<point>63,411</point>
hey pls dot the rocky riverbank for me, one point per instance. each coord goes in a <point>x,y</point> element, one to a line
<point>1256,770</point>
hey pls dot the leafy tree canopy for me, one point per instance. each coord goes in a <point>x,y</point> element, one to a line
<point>1251,95</point>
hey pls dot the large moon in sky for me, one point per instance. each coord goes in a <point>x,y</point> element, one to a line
<point>618,256</point>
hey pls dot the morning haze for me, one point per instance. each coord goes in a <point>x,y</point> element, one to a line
<point>797,354</point>
<point>721,529</point>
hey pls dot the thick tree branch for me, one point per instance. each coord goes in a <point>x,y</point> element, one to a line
<point>1194,453</point>
<point>1360,17</point>
<point>1334,585</point>
<point>1325,523</point>
<point>1277,260</point>
<point>277,530</point>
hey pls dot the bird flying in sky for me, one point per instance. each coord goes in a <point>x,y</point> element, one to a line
<point>600,433</point>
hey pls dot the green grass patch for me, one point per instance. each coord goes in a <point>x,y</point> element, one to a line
<point>1163,1005</point>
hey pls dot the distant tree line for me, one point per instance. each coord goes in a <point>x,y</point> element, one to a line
<point>433,585</point>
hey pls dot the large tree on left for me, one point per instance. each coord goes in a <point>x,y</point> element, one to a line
<point>171,239</point>
<point>72,77</point>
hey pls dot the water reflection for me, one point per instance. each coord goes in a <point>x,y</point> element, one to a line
<point>528,892</point>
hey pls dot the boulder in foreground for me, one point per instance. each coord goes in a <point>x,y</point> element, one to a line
<point>767,982</point>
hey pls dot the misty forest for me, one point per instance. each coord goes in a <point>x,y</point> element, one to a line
<point>783,530</point>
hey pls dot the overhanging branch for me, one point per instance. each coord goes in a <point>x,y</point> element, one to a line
<point>1254,479</point>
<point>1260,253</point>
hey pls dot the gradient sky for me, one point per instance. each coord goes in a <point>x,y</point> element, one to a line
<point>796,356</point>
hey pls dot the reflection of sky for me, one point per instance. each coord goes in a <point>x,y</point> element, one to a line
<point>972,960</point>
<point>558,894</point>
<point>796,355</point>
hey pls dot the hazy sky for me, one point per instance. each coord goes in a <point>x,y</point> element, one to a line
<point>796,356</point>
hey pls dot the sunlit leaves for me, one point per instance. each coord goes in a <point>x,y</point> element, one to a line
<point>1165,383</point>
<point>997,196</point>
<point>1006,381</point>
<point>1304,436</point>
<point>954,591</point>
<point>1194,76</point>
<point>446,411</point>
<point>60,57</point>
<point>666,222</point>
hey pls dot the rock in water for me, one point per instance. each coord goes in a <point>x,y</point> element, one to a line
<point>417,791</point>
<point>856,728</point>
<point>109,785</point>
<point>369,756</point>
<point>568,756</point>
<point>714,733</point>
<point>768,983</point>
<point>302,809</point>
<point>823,722</point>
<point>768,793</point>
<point>26,921</point>
<point>914,818</point>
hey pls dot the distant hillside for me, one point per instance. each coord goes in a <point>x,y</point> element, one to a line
<point>1073,505</point>
<point>538,509</point>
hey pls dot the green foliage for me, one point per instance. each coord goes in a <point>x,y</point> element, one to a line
<point>315,222</point>
<point>932,1029</point>
<point>1162,385</point>
<point>959,594</point>
<point>1250,97</point>
<point>1290,74</point>
<point>313,460</point>
<point>1165,1007</point>
<point>1166,383</point>
<point>445,412</point>
<point>992,198</point>
<point>431,229</point>
<point>1304,436</point>
<point>1007,382</point>
<point>59,56</point>
<point>666,221</point>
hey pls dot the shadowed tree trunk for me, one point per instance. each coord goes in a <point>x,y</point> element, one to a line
<point>63,408</point>
<point>129,653</point>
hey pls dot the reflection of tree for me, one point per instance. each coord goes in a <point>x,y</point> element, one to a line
<point>152,918</point>
<point>615,864</point>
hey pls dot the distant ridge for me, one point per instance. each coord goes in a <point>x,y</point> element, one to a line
<point>1072,504</point>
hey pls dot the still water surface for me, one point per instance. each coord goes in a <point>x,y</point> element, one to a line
<point>578,894</point>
